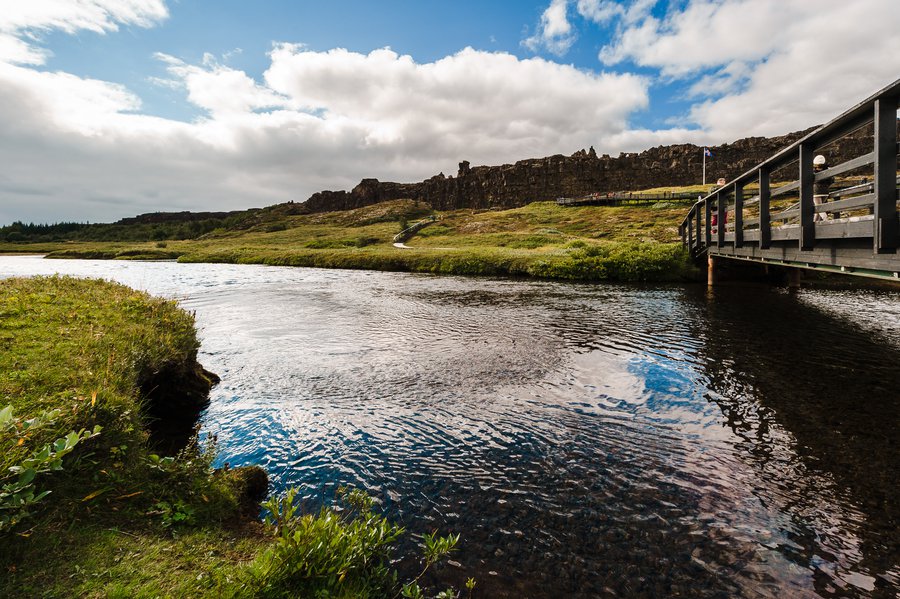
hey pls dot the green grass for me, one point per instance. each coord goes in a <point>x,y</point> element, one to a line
<point>84,349</point>
<point>540,239</point>
<point>119,520</point>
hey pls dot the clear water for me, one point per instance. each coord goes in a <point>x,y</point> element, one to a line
<point>585,440</point>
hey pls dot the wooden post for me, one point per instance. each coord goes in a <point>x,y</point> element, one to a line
<point>738,215</point>
<point>765,221</point>
<point>885,176</point>
<point>720,218</point>
<point>710,270</point>
<point>699,229</point>
<point>793,278</point>
<point>807,209</point>
<point>707,218</point>
<point>690,229</point>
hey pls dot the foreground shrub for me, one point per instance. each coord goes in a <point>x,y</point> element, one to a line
<point>339,552</point>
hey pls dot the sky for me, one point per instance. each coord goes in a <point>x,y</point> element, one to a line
<point>111,108</point>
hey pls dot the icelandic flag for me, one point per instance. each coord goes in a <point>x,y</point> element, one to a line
<point>706,152</point>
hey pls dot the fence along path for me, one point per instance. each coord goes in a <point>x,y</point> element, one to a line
<point>855,231</point>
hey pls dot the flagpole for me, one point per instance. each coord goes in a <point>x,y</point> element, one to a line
<point>704,166</point>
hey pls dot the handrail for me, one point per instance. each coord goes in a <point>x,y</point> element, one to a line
<point>698,233</point>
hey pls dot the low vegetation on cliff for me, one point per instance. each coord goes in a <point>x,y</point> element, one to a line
<point>541,239</point>
<point>90,508</point>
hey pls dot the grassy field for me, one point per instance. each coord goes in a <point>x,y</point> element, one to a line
<point>87,509</point>
<point>537,240</point>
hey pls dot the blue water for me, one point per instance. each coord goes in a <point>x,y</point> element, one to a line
<point>584,440</point>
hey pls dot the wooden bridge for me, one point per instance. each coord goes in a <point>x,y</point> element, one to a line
<point>626,198</point>
<point>855,230</point>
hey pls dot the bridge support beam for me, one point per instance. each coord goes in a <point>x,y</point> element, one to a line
<point>794,276</point>
<point>710,270</point>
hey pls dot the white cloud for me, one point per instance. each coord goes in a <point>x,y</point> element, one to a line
<point>554,32</point>
<point>219,89</point>
<point>28,18</point>
<point>80,149</point>
<point>16,51</point>
<point>599,11</point>
<point>768,66</point>
<point>70,16</point>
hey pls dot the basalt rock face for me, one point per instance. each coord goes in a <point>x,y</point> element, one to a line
<point>582,173</point>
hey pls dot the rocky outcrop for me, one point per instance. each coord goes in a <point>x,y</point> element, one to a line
<point>173,398</point>
<point>584,172</point>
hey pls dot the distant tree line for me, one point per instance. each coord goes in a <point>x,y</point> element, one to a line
<point>19,232</point>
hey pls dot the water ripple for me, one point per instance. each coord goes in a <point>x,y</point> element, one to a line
<point>585,440</point>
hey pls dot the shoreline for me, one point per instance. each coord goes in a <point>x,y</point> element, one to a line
<point>613,262</point>
<point>87,364</point>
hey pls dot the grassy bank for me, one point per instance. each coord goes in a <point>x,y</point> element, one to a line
<point>89,509</point>
<point>633,243</point>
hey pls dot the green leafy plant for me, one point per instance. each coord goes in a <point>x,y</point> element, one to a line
<point>19,492</point>
<point>154,462</point>
<point>338,552</point>
<point>173,514</point>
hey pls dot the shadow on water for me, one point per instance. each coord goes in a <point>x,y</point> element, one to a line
<point>584,440</point>
<point>816,401</point>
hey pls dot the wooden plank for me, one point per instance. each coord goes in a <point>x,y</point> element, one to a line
<point>854,253</point>
<point>842,230</point>
<point>786,214</point>
<point>806,179</point>
<point>785,233</point>
<point>738,214</point>
<point>751,201</point>
<point>886,230</point>
<point>751,235</point>
<point>865,187</point>
<point>765,220</point>
<point>840,169</point>
<point>784,189</point>
<point>847,204</point>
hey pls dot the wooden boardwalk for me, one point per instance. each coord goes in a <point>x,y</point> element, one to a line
<point>622,198</point>
<point>854,231</point>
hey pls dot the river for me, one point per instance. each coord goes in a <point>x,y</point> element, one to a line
<point>585,440</point>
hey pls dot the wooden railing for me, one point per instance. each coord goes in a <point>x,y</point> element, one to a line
<point>786,216</point>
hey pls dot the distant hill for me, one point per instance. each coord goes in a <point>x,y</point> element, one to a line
<point>582,173</point>
<point>480,187</point>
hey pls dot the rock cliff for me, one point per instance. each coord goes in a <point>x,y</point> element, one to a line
<point>584,172</point>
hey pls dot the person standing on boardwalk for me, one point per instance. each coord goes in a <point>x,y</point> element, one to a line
<point>820,187</point>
